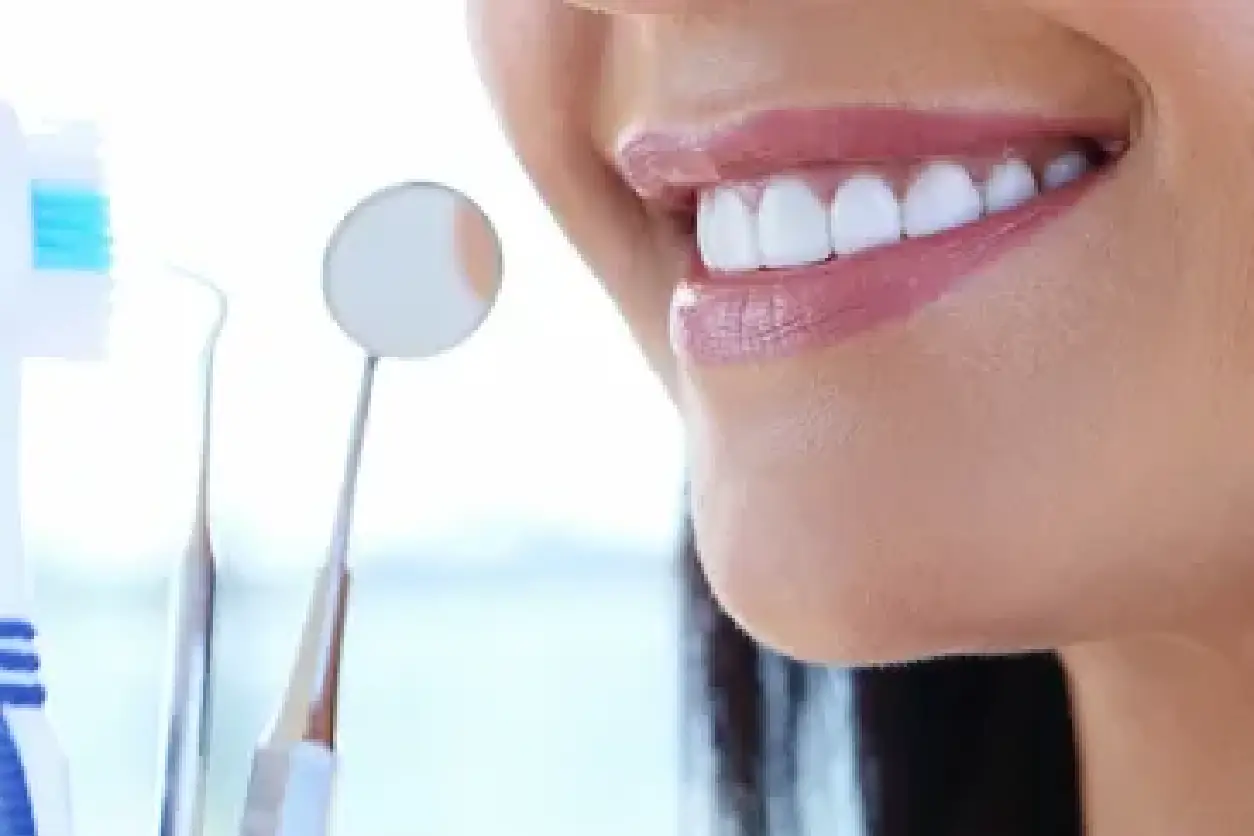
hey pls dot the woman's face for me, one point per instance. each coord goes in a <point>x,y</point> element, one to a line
<point>954,296</point>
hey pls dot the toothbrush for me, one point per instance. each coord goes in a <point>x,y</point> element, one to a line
<point>54,264</point>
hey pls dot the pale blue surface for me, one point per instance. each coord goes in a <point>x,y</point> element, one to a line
<point>544,706</point>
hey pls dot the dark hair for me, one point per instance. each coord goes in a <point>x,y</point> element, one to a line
<point>978,747</point>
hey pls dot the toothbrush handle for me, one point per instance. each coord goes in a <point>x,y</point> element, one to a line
<point>34,797</point>
<point>17,813</point>
<point>34,779</point>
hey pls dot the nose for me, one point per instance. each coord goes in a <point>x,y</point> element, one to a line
<point>657,7</point>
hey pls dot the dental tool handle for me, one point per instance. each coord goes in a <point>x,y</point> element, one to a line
<point>291,791</point>
<point>185,755</point>
<point>34,773</point>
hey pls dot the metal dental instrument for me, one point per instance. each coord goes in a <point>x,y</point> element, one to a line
<point>184,753</point>
<point>291,788</point>
<point>409,273</point>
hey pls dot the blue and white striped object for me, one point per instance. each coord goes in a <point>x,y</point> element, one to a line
<point>20,690</point>
<point>70,227</point>
<point>62,210</point>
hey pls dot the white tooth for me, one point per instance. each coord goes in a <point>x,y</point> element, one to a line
<point>942,197</point>
<point>1010,184</point>
<point>865,214</point>
<point>726,232</point>
<point>792,224</point>
<point>1066,169</point>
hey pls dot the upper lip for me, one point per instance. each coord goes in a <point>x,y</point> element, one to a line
<point>672,164</point>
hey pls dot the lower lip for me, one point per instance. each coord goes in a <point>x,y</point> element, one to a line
<point>762,315</point>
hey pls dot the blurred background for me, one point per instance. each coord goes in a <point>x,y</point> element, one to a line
<point>512,660</point>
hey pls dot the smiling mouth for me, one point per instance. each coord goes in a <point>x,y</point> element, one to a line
<point>808,227</point>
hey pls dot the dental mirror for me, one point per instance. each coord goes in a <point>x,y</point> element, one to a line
<point>411,271</point>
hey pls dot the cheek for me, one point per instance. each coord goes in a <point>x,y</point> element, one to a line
<point>541,61</point>
<point>1187,54</point>
<point>1193,64</point>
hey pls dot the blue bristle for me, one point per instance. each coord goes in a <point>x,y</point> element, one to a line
<point>66,194</point>
<point>70,228</point>
<point>82,259</point>
<point>17,815</point>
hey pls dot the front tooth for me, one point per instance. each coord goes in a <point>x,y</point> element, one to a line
<point>942,197</point>
<point>1009,184</point>
<point>1066,169</point>
<point>792,224</point>
<point>865,214</point>
<point>726,233</point>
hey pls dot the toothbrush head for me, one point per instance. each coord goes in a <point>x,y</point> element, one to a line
<point>68,303</point>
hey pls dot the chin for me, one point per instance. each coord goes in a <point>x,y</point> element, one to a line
<point>868,608</point>
<point>834,554</point>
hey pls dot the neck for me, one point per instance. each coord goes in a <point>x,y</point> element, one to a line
<point>1165,727</point>
<point>12,577</point>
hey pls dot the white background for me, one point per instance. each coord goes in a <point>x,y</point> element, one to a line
<point>512,663</point>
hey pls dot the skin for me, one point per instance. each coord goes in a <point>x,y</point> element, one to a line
<point>477,251</point>
<point>1060,454</point>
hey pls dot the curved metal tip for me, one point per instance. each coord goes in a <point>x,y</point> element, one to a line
<point>219,298</point>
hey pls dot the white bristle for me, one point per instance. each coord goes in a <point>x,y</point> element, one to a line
<point>66,313</point>
<point>67,317</point>
<point>69,154</point>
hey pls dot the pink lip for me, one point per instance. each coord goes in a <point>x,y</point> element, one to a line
<point>771,313</point>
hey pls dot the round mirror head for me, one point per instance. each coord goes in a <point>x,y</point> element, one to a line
<point>411,271</point>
